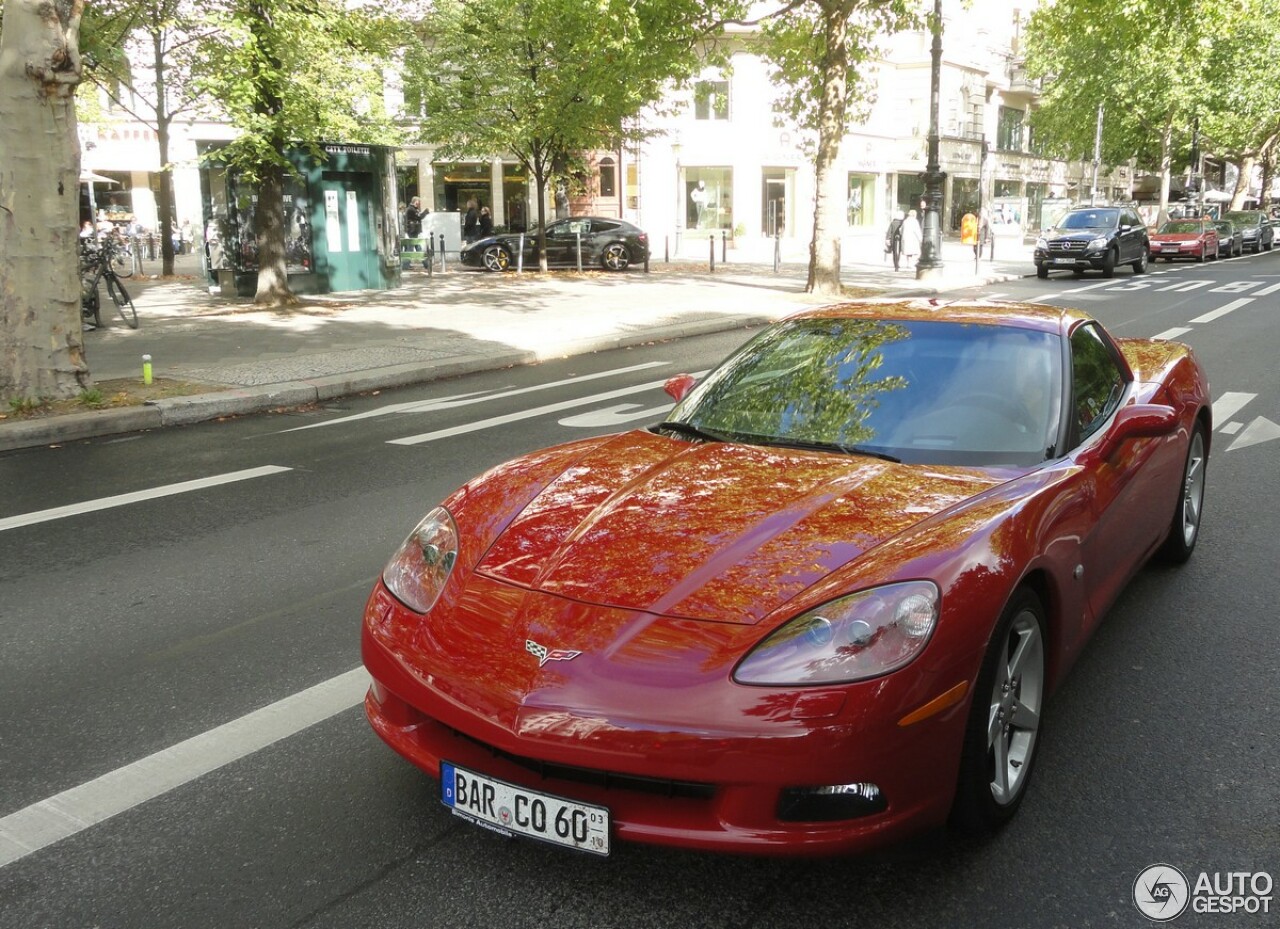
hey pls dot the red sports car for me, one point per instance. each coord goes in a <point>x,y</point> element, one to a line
<point>818,607</point>
<point>1186,238</point>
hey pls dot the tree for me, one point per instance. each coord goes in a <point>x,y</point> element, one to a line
<point>1144,61</point>
<point>288,72</point>
<point>819,50</point>
<point>170,34</point>
<point>40,331</point>
<point>547,80</point>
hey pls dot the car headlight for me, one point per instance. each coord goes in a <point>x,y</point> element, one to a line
<point>853,638</point>
<point>1099,242</point>
<point>418,570</point>
<point>1042,243</point>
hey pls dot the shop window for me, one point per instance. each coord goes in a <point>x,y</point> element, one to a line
<point>711,100</point>
<point>708,198</point>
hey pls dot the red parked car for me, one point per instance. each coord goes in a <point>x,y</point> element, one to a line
<point>818,607</point>
<point>1186,238</point>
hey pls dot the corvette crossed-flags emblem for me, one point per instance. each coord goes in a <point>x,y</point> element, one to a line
<point>544,654</point>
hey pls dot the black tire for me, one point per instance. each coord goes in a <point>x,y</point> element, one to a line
<point>1042,272</point>
<point>615,257</point>
<point>90,302</point>
<point>1109,263</point>
<point>1140,266</point>
<point>124,306</point>
<point>496,258</point>
<point>1184,529</point>
<point>122,262</point>
<point>1000,748</point>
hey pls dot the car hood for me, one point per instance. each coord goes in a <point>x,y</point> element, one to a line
<point>1090,233</point>
<point>1175,236</point>
<point>720,532</point>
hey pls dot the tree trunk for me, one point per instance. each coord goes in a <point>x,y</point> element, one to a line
<point>269,232</point>
<point>1241,192</point>
<point>1166,166</point>
<point>41,348</point>
<point>164,198</point>
<point>824,250</point>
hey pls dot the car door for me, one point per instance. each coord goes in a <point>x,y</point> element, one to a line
<point>1128,519</point>
<point>1133,236</point>
<point>562,241</point>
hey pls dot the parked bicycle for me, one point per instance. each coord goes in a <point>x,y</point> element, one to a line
<point>97,263</point>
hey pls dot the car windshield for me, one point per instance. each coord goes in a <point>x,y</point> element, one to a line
<point>1225,227</point>
<point>1245,219</point>
<point>1090,219</point>
<point>1180,226</point>
<point>916,391</point>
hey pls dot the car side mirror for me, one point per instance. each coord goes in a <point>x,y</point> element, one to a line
<point>679,386</point>
<point>1139,421</point>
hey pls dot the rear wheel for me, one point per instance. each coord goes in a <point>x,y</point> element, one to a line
<point>1185,528</point>
<point>496,258</point>
<point>124,306</point>
<point>616,257</point>
<point>1004,719</point>
<point>90,303</point>
<point>1140,266</point>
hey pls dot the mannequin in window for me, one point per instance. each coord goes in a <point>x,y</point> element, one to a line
<point>699,198</point>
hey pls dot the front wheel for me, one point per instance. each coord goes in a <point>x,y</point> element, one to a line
<point>1042,272</point>
<point>124,306</point>
<point>1185,528</point>
<point>1109,264</point>
<point>496,258</point>
<point>1004,719</point>
<point>616,257</point>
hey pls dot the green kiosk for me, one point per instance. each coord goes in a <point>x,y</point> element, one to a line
<point>339,215</point>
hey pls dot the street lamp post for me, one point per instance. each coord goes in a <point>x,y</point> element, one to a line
<point>930,263</point>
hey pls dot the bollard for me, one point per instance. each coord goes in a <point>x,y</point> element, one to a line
<point>429,259</point>
<point>724,245</point>
<point>520,256</point>
<point>666,249</point>
<point>577,236</point>
<point>711,243</point>
<point>146,370</point>
<point>442,268</point>
<point>777,253</point>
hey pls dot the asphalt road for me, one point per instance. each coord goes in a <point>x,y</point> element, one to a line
<point>182,743</point>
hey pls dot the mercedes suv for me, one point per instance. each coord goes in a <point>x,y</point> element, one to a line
<point>1094,238</point>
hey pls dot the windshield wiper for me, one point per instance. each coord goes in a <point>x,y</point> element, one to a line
<point>692,431</point>
<point>826,447</point>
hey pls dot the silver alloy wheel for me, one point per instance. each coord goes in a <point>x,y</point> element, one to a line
<point>1017,695</point>
<point>1193,490</point>
<point>496,258</point>
<point>616,257</point>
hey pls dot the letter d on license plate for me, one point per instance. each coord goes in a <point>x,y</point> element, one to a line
<point>512,810</point>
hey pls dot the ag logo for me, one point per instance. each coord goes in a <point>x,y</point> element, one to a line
<point>1161,892</point>
<point>544,654</point>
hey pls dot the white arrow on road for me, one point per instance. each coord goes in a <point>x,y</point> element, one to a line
<point>613,416</point>
<point>1258,431</point>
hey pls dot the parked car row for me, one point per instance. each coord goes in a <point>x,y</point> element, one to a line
<point>1102,237</point>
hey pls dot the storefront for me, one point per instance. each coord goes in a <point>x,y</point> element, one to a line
<point>340,231</point>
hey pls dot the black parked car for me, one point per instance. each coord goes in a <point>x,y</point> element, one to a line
<point>1258,232</point>
<point>606,243</point>
<point>1094,237</point>
<point>1230,239</point>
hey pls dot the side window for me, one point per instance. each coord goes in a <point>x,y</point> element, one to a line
<point>1097,381</point>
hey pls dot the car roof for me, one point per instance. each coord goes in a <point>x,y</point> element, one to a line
<point>1038,316</point>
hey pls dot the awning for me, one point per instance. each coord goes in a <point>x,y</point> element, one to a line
<point>1218,196</point>
<point>88,177</point>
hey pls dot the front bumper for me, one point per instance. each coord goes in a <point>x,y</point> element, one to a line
<point>1086,259</point>
<point>720,785</point>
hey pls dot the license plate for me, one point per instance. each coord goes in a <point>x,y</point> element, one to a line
<point>1172,248</point>
<point>512,810</point>
<point>1064,261</point>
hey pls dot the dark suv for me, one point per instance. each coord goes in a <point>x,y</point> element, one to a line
<point>1094,237</point>
<point>1258,231</point>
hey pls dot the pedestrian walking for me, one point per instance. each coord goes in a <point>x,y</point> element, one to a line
<point>912,236</point>
<point>485,222</point>
<point>470,222</point>
<point>893,239</point>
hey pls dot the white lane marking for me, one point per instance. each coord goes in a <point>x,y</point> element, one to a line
<point>1184,286</point>
<point>48,821</point>
<point>1169,335</point>
<point>613,416</point>
<point>1232,428</point>
<point>1229,404</point>
<point>446,403</point>
<point>1267,290</point>
<point>1223,310</point>
<point>1259,431</point>
<point>528,414</point>
<point>106,503</point>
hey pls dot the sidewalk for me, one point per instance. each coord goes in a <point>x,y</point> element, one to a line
<point>445,324</point>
